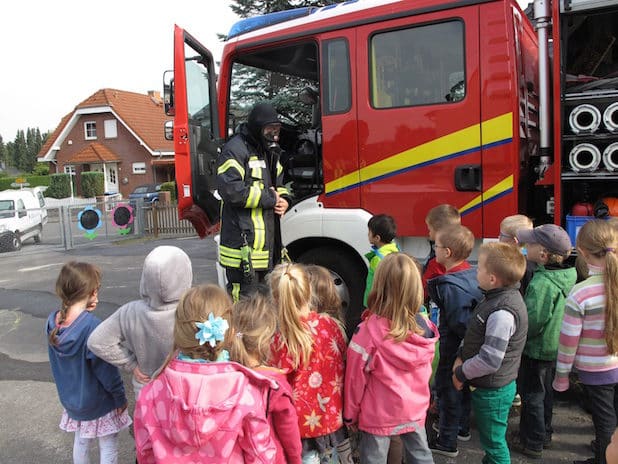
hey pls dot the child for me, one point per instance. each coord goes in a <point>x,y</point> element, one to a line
<point>437,218</point>
<point>90,390</point>
<point>382,232</point>
<point>548,247</point>
<point>325,298</point>
<point>509,227</point>
<point>389,365</point>
<point>254,323</point>
<point>202,407</point>
<point>589,334</point>
<point>492,346</point>
<point>139,335</point>
<point>310,348</point>
<point>456,294</point>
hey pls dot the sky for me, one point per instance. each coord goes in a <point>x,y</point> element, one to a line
<point>56,53</point>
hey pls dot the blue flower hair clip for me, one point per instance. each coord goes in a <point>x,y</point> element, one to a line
<point>212,330</point>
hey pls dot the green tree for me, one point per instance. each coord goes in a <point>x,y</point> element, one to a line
<point>249,8</point>
<point>3,154</point>
<point>20,153</point>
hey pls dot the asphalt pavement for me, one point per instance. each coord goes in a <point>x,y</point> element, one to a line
<point>29,406</point>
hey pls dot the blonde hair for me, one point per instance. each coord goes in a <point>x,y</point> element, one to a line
<point>600,239</point>
<point>194,306</point>
<point>511,224</point>
<point>76,282</point>
<point>324,295</point>
<point>442,215</point>
<point>504,261</point>
<point>397,294</point>
<point>291,290</point>
<point>459,239</point>
<point>254,323</point>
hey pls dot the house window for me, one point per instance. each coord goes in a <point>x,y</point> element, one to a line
<point>111,131</point>
<point>139,168</point>
<point>90,130</point>
<point>423,65</point>
<point>69,169</point>
<point>112,175</point>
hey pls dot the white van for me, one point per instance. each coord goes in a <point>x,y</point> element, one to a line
<point>21,218</point>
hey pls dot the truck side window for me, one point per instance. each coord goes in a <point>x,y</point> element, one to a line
<point>418,66</point>
<point>337,89</point>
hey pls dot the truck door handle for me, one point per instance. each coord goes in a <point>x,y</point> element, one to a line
<point>468,178</point>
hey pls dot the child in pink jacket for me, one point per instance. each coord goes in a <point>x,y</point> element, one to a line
<point>202,407</point>
<point>254,323</point>
<point>389,365</point>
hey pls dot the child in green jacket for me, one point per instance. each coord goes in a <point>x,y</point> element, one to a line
<point>382,233</point>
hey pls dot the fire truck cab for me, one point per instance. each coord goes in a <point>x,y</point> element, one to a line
<point>393,106</point>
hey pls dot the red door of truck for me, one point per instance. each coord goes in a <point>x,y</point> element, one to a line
<point>419,116</point>
<point>196,132</point>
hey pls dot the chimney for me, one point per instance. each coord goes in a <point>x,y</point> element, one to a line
<point>155,96</point>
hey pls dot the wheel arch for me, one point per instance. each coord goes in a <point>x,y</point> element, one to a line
<point>302,245</point>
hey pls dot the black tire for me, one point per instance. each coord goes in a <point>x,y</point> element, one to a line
<point>38,236</point>
<point>350,276</point>
<point>10,242</point>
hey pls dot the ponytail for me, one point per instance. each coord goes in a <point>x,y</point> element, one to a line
<point>611,298</point>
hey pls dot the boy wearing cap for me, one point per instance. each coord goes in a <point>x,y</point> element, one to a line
<point>548,246</point>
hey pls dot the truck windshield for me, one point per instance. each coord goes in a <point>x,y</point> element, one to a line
<point>7,208</point>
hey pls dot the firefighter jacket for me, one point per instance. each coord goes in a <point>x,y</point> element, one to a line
<point>244,179</point>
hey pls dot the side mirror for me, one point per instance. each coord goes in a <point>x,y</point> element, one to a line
<point>168,93</point>
<point>168,130</point>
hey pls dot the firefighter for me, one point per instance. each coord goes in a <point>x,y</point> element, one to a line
<point>250,183</point>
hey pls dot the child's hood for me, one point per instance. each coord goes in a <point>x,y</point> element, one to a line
<point>205,398</point>
<point>166,275</point>
<point>563,278</point>
<point>72,339</point>
<point>415,349</point>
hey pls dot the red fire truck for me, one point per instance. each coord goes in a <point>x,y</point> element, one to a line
<point>398,106</point>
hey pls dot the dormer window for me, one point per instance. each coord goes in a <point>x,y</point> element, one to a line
<point>90,130</point>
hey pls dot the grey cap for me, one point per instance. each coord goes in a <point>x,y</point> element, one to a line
<point>552,237</point>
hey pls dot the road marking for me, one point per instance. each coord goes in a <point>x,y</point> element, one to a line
<point>37,268</point>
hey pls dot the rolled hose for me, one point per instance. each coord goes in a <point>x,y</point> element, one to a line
<point>610,157</point>
<point>584,157</point>
<point>610,117</point>
<point>585,118</point>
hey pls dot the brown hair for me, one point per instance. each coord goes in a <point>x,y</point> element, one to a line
<point>505,261</point>
<point>324,295</point>
<point>599,238</point>
<point>254,323</point>
<point>76,282</point>
<point>457,238</point>
<point>442,215</point>
<point>290,288</point>
<point>194,306</point>
<point>511,224</point>
<point>397,294</point>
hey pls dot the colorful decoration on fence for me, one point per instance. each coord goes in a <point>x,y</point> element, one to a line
<point>88,220</point>
<point>122,218</point>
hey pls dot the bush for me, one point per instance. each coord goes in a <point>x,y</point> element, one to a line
<point>93,184</point>
<point>41,169</point>
<point>170,187</point>
<point>59,186</point>
<point>34,181</point>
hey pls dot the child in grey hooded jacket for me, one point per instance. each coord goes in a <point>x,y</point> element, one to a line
<point>139,335</point>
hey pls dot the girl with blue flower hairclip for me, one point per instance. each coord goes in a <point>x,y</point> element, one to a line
<point>201,402</point>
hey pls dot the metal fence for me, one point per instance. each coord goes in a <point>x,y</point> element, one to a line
<point>65,225</point>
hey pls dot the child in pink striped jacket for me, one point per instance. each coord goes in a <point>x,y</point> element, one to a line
<point>589,333</point>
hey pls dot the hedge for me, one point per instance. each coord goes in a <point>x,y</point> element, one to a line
<point>34,181</point>
<point>59,186</point>
<point>93,184</point>
<point>169,187</point>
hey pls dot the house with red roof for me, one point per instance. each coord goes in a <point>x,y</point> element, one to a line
<point>117,133</point>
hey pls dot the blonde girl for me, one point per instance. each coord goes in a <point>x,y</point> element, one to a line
<point>325,298</point>
<point>389,365</point>
<point>310,347</point>
<point>212,409</point>
<point>90,390</point>
<point>589,334</point>
<point>254,323</point>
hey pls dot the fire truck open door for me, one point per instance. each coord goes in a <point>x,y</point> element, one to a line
<point>196,132</point>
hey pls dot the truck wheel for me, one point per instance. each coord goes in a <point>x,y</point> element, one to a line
<point>38,236</point>
<point>349,275</point>
<point>12,243</point>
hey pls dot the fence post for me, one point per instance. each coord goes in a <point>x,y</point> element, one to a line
<point>155,220</point>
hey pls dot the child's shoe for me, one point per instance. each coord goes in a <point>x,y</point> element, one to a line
<point>438,448</point>
<point>463,436</point>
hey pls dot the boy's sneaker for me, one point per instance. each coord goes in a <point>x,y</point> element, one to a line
<point>461,436</point>
<point>517,400</point>
<point>516,445</point>
<point>437,448</point>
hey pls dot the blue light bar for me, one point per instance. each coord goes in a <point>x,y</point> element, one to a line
<point>251,24</point>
